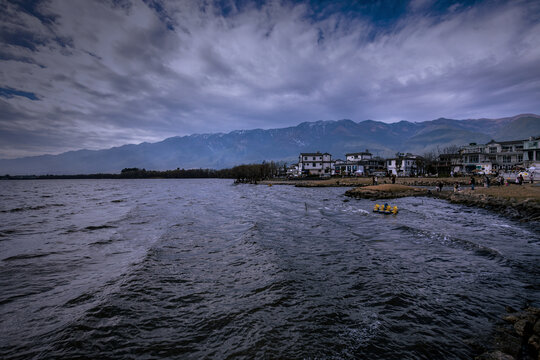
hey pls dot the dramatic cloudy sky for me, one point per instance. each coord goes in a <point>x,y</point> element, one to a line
<point>100,73</point>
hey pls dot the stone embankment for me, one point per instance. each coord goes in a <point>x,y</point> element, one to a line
<point>519,339</point>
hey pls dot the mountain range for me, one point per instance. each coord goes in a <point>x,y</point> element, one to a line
<point>337,137</point>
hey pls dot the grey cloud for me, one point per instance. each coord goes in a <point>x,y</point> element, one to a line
<point>25,39</point>
<point>121,71</point>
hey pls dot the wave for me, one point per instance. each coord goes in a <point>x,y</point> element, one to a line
<point>99,227</point>
<point>29,256</point>
<point>29,208</point>
<point>455,242</point>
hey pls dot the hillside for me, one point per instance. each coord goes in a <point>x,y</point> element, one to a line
<point>284,144</point>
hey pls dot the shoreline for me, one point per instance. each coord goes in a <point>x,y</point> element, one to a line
<point>366,181</point>
<point>517,202</point>
<point>524,210</point>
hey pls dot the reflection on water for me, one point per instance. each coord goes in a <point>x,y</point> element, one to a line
<point>202,268</point>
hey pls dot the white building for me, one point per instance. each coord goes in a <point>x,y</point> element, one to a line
<point>315,164</point>
<point>403,165</point>
<point>292,171</point>
<point>366,155</point>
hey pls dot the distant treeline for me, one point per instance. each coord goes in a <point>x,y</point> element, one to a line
<point>242,173</point>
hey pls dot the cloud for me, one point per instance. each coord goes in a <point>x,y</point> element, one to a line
<point>113,72</point>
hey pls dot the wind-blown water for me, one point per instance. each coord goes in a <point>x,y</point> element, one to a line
<point>197,269</point>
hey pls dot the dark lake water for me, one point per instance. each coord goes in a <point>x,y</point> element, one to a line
<point>194,269</point>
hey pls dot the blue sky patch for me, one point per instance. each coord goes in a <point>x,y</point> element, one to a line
<point>8,93</point>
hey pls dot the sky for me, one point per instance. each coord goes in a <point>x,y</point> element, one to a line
<point>100,73</point>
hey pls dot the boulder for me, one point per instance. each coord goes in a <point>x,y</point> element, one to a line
<point>512,318</point>
<point>521,327</point>
<point>534,341</point>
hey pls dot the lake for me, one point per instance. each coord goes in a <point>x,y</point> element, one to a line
<point>197,269</point>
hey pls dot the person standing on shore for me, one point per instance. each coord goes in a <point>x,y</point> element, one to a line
<point>531,177</point>
<point>520,179</point>
<point>473,182</point>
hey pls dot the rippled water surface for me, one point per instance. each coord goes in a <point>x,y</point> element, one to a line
<point>197,269</point>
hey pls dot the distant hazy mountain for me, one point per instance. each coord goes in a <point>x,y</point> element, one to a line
<point>250,146</point>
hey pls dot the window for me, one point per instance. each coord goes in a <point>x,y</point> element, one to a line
<point>520,157</point>
<point>507,159</point>
<point>507,148</point>
<point>492,150</point>
<point>305,157</point>
<point>473,158</point>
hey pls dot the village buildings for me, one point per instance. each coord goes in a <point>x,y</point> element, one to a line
<point>497,156</point>
<point>359,164</point>
<point>493,157</point>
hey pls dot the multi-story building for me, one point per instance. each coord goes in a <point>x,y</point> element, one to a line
<point>349,168</point>
<point>499,155</point>
<point>315,164</point>
<point>531,152</point>
<point>375,165</point>
<point>404,164</point>
<point>449,164</point>
<point>360,163</point>
<point>358,156</point>
<point>474,158</point>
<point>504,155</point>
<point>354,163</point>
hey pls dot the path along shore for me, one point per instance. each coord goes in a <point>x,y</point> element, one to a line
<point>520,202</point>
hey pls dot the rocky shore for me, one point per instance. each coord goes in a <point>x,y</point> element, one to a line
<point>385,191</point>
<point>527,209</point>
<point>518,339</point>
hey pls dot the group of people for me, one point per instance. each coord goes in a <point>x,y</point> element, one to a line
<point>500,180</point>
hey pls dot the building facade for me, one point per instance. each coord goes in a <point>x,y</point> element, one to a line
<point>315,164</point>
<point>498,156</point>
<point>366,155</point>
<point>531,152</point>
<point>403,165</point>
<point>354,164</point>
